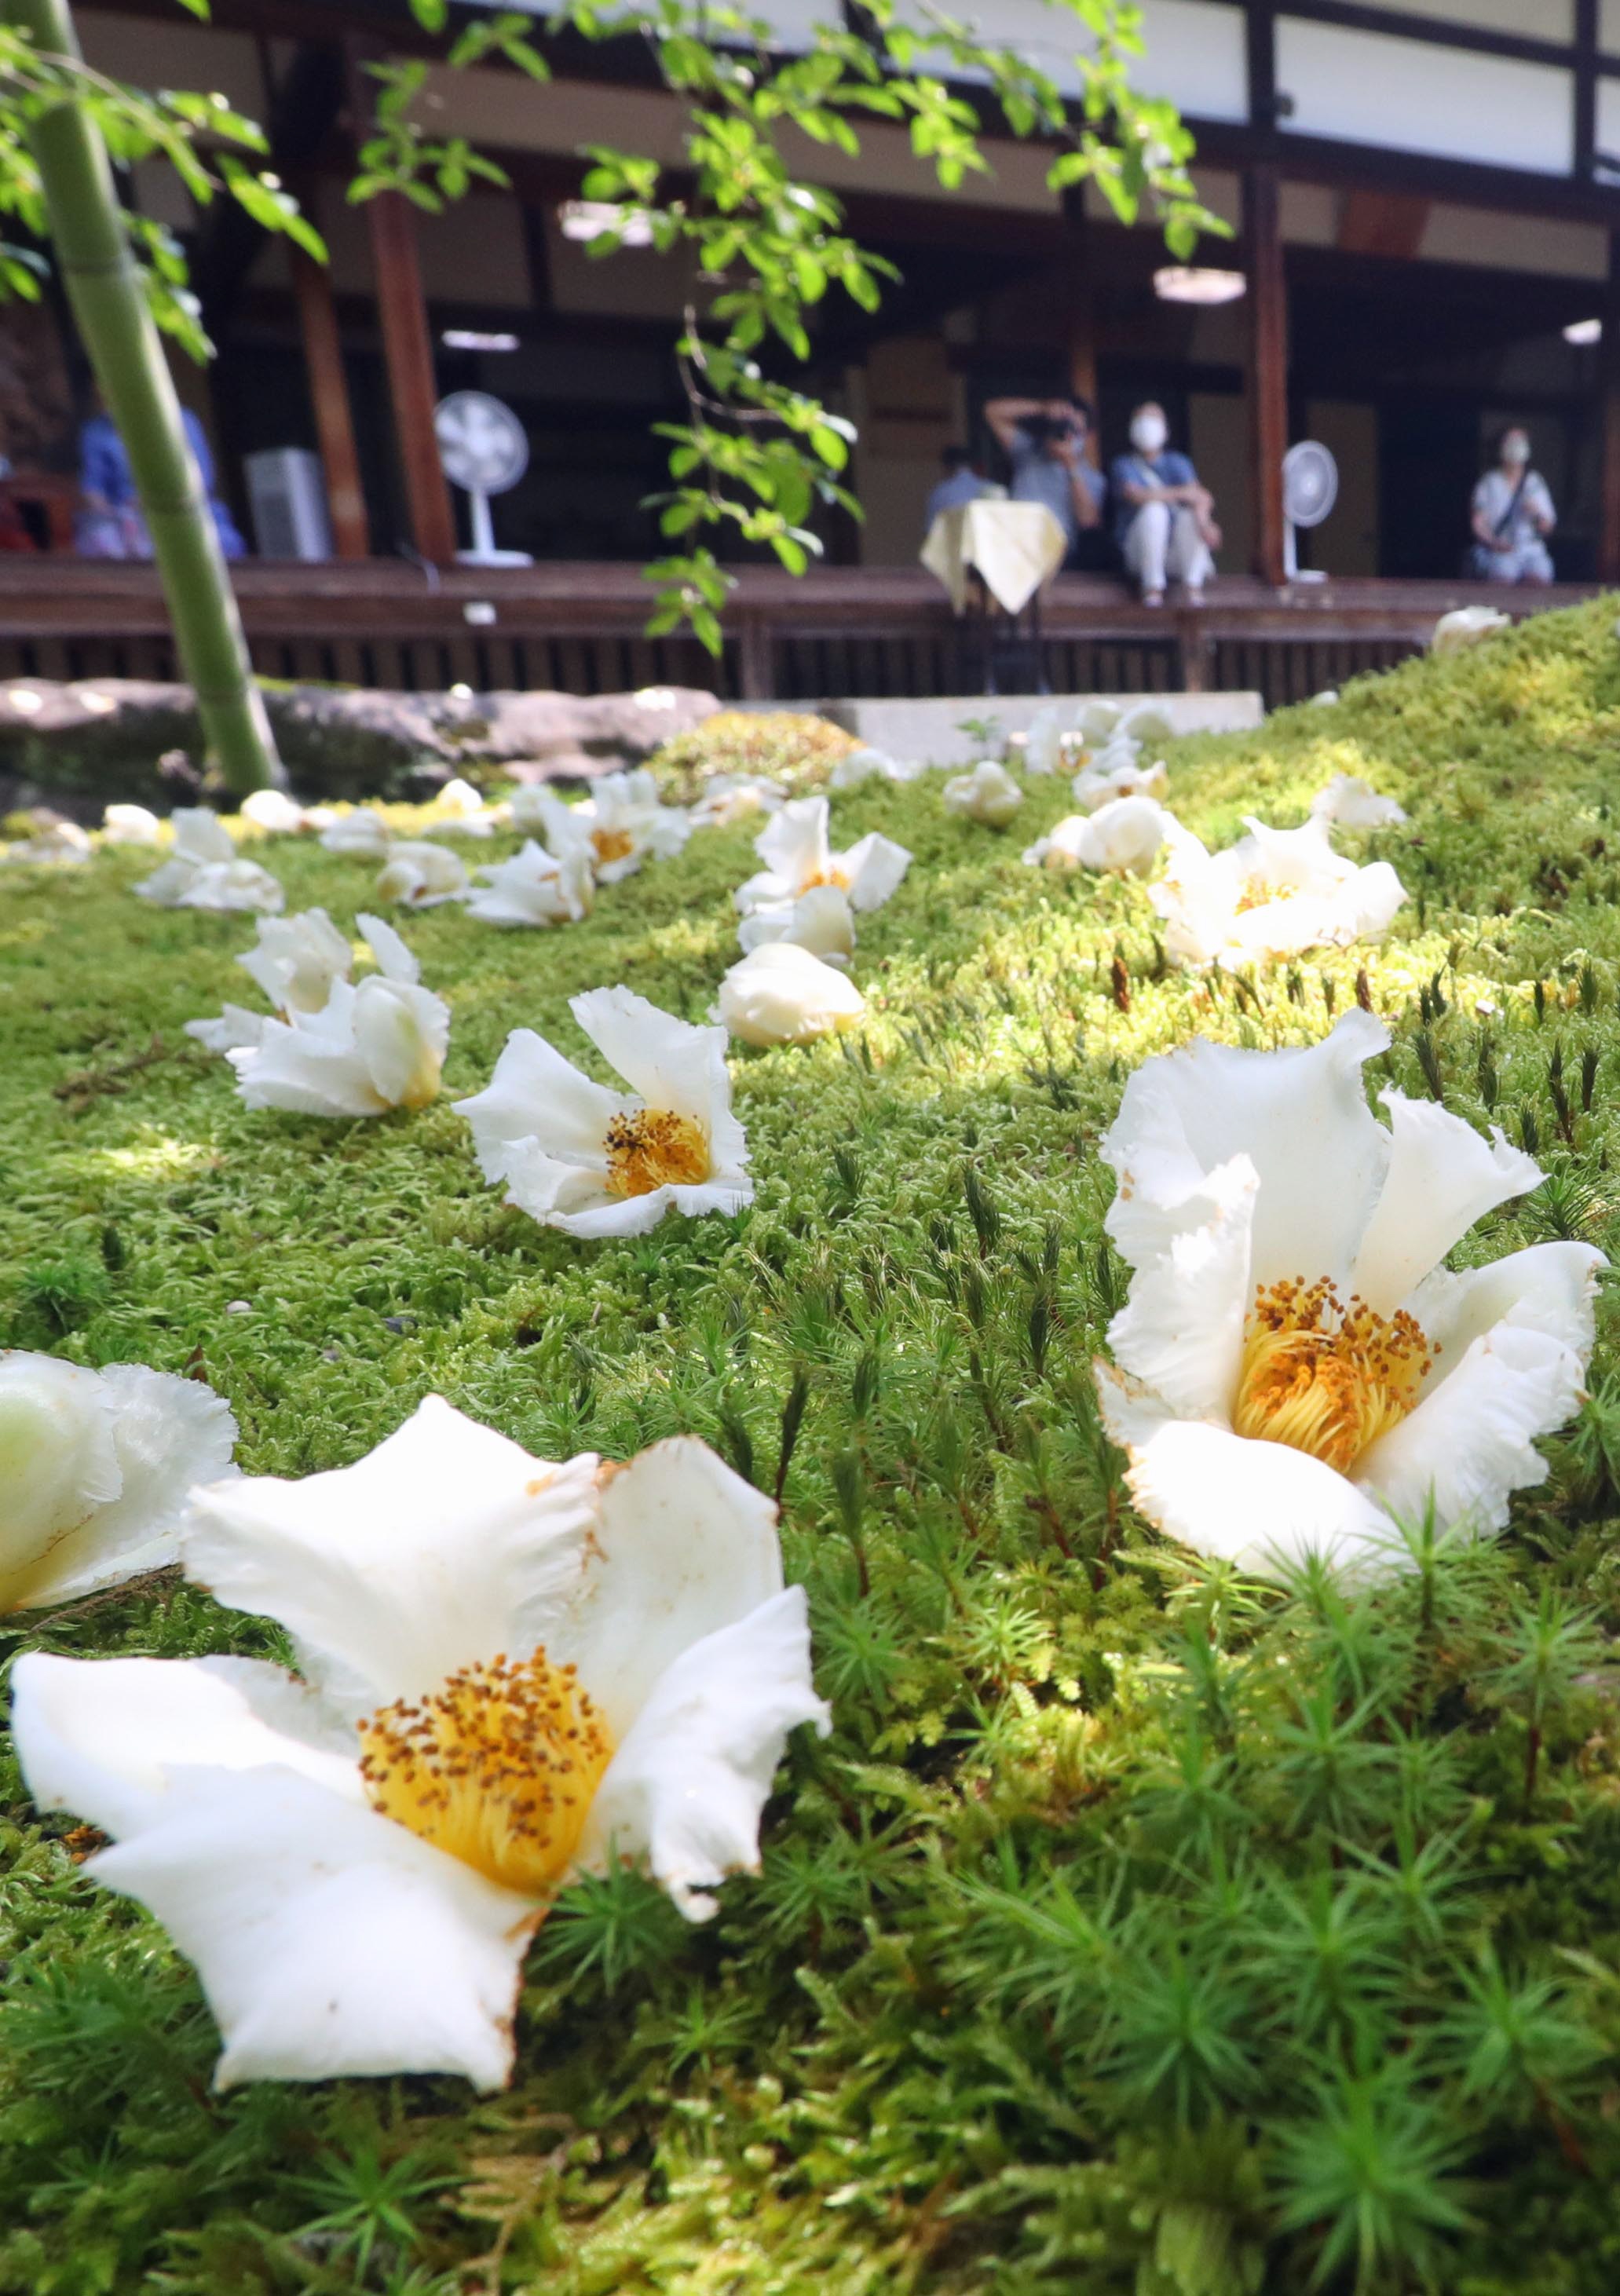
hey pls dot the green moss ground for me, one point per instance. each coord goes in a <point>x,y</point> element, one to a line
<point>1139,1930</point>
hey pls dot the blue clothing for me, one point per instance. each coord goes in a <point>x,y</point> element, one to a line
<point>103,468</point>
<point>1168,469</point>
<point>1039,477</point>
<point>961,487</point>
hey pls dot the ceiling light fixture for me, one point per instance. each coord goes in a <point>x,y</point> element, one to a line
<point>587,219</point>
<point>1581,332</point>
<point>469,338</point>
<point>1190,283</point>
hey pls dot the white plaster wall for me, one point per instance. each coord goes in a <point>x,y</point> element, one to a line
<point>1364,87</point>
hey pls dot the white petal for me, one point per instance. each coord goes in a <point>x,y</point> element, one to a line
<point>539,1098</point>
<point>236,1030</point>
<point>199,835</point>
<point>782,995</point>
<point>793,846</point>
<point>296,960</point>
<point>820,921</point>
<point>1180,1330</point>
<point>687,1784</point>
<point>682,1546</point>
<point>130,824</point>
<point>169,1434</point>
<point>274,812</point>
<point>58,1465</point>
<point>444,1545</point>
<point>1124,835</point>
<point>363,835</point>
<point>569,1197</point>
<point>1443,1176</point>
<point>671,1063</point>
<point>394,959</point>
<point>401,1035</point>
<point>1549,1287</point>
<point>1259,1506</point>
<point>1298,1115</point>
<point>988,794</point>
<point>1349,800</point>
<point>311,1064</point>
<point>872,870</point>
<point>422,875</point>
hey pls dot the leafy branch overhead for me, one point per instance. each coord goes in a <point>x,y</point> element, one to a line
<point>757,456</point>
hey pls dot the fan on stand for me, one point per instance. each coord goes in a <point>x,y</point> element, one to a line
<point>1310,488</point>
<point>483,449</point>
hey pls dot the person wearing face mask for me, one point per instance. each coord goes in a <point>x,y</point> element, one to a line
<point>1164,518</point>
<point>1045,441</point>
<point>1513,515</point>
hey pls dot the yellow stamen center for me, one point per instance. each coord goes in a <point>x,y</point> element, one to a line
<point>1326,1378</point>
<point>654,1148</point>
<point>831,876</point>
<point>613,844</point>
<point>498,1767</point>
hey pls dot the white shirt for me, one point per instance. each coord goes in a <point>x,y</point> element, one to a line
<point>1494,492</point>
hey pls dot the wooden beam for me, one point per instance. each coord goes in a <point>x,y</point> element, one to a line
<point>1268,367</point>
<point>1384,223</point>
<point>407,353</point>
<point>1609,387</point>
<point>329,396</point>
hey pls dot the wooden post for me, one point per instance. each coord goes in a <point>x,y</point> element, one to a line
<point>1608,385</point>
<point>756,665</point>
<point>1268,375</point>
<point>407,353</point>
<point>1080,301</point>
<point>333,415</point>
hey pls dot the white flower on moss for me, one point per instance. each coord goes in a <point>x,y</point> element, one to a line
<point>1043,742</point>
<point>202,871</point>
<point>988,793</point>
<point>1295,1368</point>
<point>458,811</point>
<point>621,823</point>
<point>274,814</point>
<point>95,1467</point>
<point>131,825</point>
<point>422,875</point>
<point>294,961</point>
<point>1096,722</point>
<point>1355,803</point>
<point>56,845</point>
<point>575,1155</point>
<point>1274,892</point>
<point>363,835</point>
<point>798,858</point>
<point>1326,698</point>
<point>1124,836</point>
<point>820,921</point>
<point>367,1049</point>
<point>1098,785</point>
<point>782,995</point>
<point>733,798</point>
<point>868,764</point>
<point>1465,626</point>
<point>535,888</point>
<point>510,1673</point>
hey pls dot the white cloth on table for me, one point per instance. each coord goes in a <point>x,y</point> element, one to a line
<point>1163,537</point>
<point>1015,546</point>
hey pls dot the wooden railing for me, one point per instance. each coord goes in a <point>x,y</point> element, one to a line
<point>839,631</point>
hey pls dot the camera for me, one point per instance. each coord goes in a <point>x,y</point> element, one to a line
<point>1049,429</point>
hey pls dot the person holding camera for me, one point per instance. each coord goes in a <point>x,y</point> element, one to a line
<point>1164,520</point>
<point>1045,441</point>
<point>1512,516</point>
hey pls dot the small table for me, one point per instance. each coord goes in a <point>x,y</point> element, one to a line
<point>994,558</point>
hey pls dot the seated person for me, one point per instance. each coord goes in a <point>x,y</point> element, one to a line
<point>1512,515</point>
<point>1045,441</point>
<point>109,524</point>
<point>961,483</point>
<point>1163,520</point>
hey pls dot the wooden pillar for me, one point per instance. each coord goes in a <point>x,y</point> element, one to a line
<point>1268,369</point>
<point>407,353</point>
<point>1608,386</point>
<point>1080,301</point>
<point>333,415</point>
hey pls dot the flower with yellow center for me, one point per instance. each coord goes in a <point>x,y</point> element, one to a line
<point>1295,1368</point>
<point>1273,893</point>
<point>799,858</point>
<point>366,1050</point>
<point>621,823</point>
<point>509,1672</point>
<point>578,1156</point>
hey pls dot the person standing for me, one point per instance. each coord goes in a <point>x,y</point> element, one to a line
<point>961,484</point>
<point>1045,441</point>
<point>1164,520</point>
<point>1512,516</point>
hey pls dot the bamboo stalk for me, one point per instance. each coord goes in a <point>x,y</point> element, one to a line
<point>103,286</point>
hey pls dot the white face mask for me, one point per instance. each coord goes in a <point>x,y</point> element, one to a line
<point>1148,432</point>
<point>1516,450</point>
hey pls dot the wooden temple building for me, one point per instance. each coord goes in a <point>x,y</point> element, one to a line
<point>1426,202</point>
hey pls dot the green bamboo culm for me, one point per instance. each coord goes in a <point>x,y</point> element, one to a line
<point>103,284</point>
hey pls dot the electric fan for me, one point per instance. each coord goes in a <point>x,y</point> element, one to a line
<point>1310,488</point>
<point>483,449</point>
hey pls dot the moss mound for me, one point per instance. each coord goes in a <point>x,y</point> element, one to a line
<point>1141,1929</point>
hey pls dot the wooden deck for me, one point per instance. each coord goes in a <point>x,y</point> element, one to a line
<point>578,626</point>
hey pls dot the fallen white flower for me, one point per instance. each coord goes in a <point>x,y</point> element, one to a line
<point>294,962</point>
<point>1295,1368</point>
<point>1465,626</point>
<point>820,921</point>
<point>59,844</point>
<point>131,825</point>
<point>594,1162</point>
<point>421,875</point>
<point>1355,804</point>
<point>368,1049</point>
<point>535,889</point>
<point>510,1672</point>
<point>203,872</point>
<point>1326,698</point>
<point>274,813</point>
<point>1097,721</point>
<point>1124,835</point>
<point>782,995</point>
<point>798,857</point>
<point>1148,721</point>
<point>1043,742</point>
<point>869,763</point>
<point>96,1466</point>
<point>987,793</point>
<point>628,823</point>
<point>1274,892</point>
<point>732,797</point>
<point>363,835</point>
<point>1098,785</point>
<point>458,811</point>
